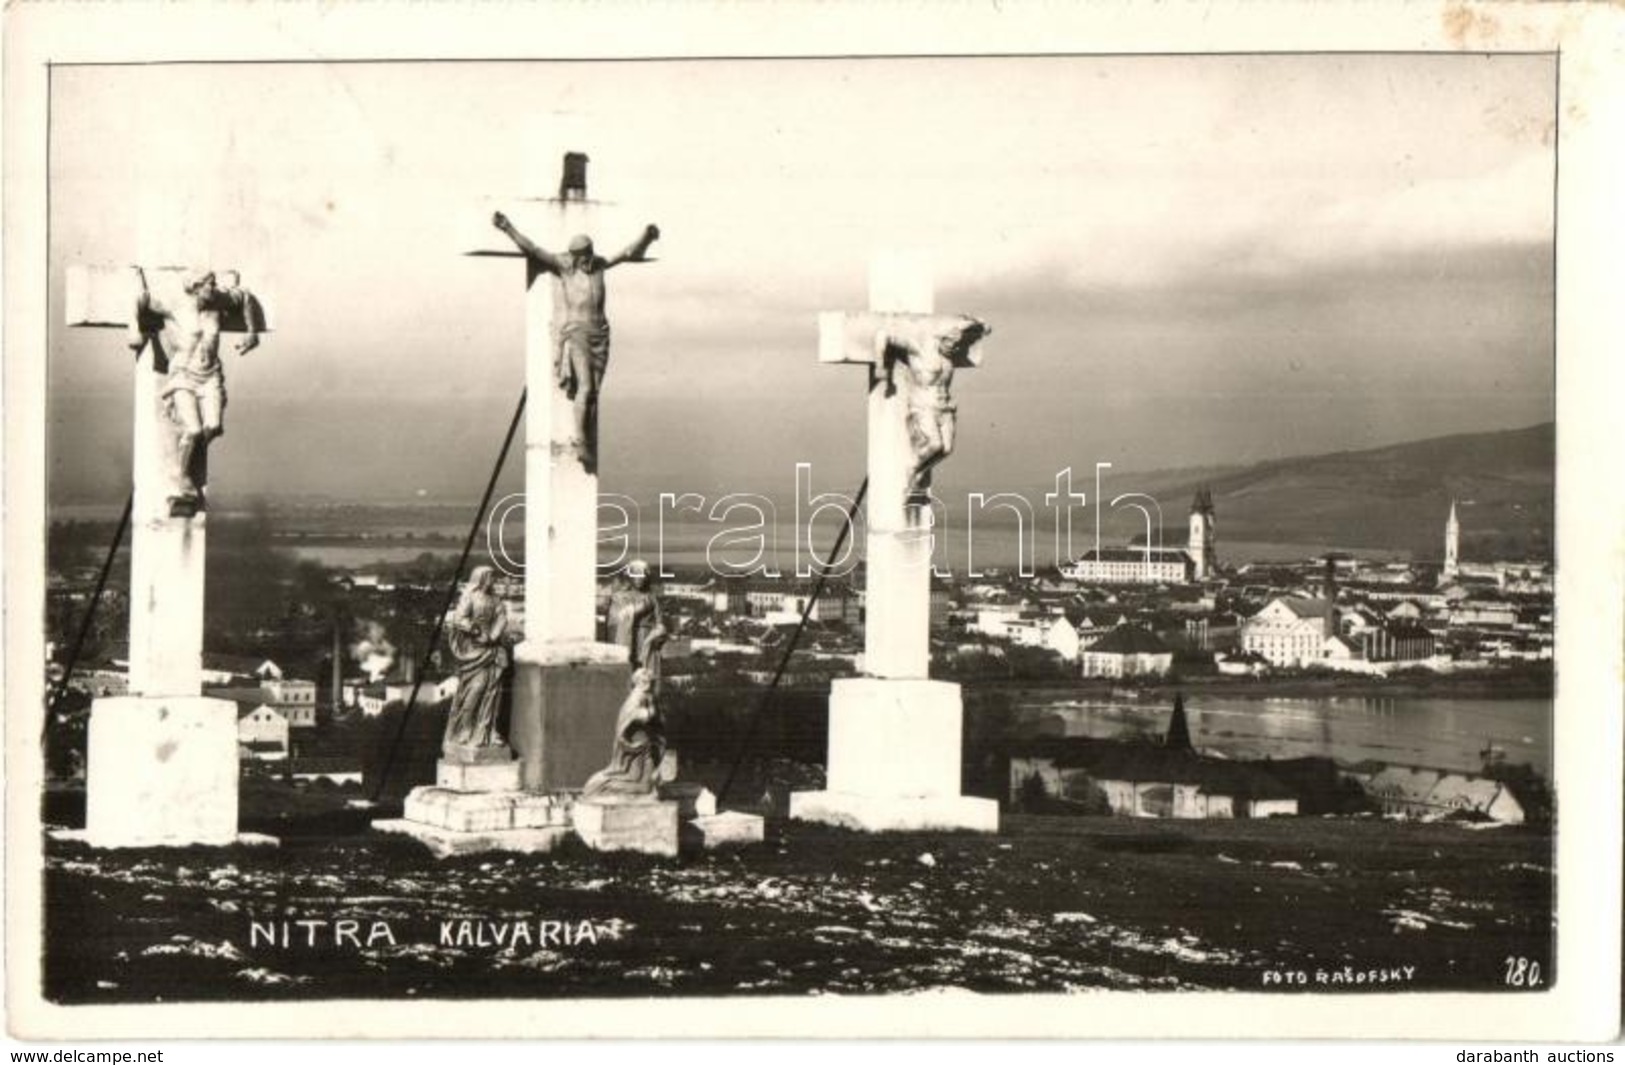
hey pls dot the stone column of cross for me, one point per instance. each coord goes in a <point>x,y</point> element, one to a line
<point>897,590</point>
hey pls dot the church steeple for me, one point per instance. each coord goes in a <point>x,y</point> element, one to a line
<point>1452,544</point>
<point>1179,729</point>
<point>1200,545</point>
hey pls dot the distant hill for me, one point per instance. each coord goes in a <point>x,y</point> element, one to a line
<point>1394,498</point>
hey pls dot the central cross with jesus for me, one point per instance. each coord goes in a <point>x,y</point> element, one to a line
<point>568,682</point>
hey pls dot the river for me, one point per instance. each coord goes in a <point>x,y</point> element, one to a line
<point>1438,732</point>
<point>690,546</point>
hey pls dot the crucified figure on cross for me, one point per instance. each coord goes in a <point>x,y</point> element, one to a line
<point>185,336</point>
<point>580,327</point>
<point>927,352</point>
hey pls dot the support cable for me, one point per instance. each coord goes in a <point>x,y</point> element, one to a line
<point>451,597</point>
<point>54,698</point>
<point>795,637</point>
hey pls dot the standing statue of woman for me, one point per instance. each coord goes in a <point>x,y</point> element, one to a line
<point>635,622</point>
<point>640,744</point>
<point>479,643</point>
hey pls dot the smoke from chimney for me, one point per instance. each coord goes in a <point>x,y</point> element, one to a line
<point>372,650</point>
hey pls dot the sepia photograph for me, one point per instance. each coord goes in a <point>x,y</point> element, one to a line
<point>765,528</point>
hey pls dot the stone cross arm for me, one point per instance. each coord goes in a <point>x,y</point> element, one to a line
<point>863,337</point>
<point>107,296</point>
<point>550,223</point>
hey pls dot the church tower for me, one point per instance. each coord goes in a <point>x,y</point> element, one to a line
<point>1200,545</point>
<point>1452,544</point>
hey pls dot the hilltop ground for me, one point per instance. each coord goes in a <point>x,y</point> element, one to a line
<point>1048,904</point>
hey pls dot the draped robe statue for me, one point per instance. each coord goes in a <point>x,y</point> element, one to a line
<point>635,622</point>
<point>479,641</point>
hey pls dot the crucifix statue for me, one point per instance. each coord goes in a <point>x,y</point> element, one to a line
<point>566,355</point>
<point>919,356</point>
<point>183,329</point>
<point>161,764</point>
<point>580,328</point>
<point>174,318</point>
<point>568,680</point>
<point>911,354</point>
<point>895,735</point>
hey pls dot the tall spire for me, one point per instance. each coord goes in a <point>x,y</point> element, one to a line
<point>1452,543</point>
<point>1200,543</point>
<point>1179,729</point>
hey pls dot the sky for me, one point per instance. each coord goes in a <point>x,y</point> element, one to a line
<point>1186,261</point>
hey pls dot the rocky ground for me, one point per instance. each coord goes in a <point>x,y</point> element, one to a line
<point>1049,904</point>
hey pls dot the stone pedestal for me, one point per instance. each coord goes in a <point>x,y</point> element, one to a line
<point>478,777</point>
<point>161,771</point>
<point>501,831</point>
<point>645,825</point>
<point>476,806</point>
<point>486,811</point>
<point>565,700</point>
<point>894,760</point>
<point>879,813</point>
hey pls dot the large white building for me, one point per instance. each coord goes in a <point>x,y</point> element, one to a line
<point>1126,651</point>
<point>1132,565</point>
<point>1196,561</point>
<point>294,699</point>
<point>1290,631</point>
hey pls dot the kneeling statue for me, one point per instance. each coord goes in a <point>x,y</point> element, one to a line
<point>640,744</point>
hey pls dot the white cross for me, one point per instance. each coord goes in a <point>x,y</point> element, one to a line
<point>900,321</point>
<point>561,491</point>
<point>167,538</point>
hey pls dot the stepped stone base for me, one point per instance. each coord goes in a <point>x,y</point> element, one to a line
<point>492,811</point>
<point>647,826</point>
<point>445,842</point>
<point>872,813</point>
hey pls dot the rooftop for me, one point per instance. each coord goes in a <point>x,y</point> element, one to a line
<point>1129,640</point>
